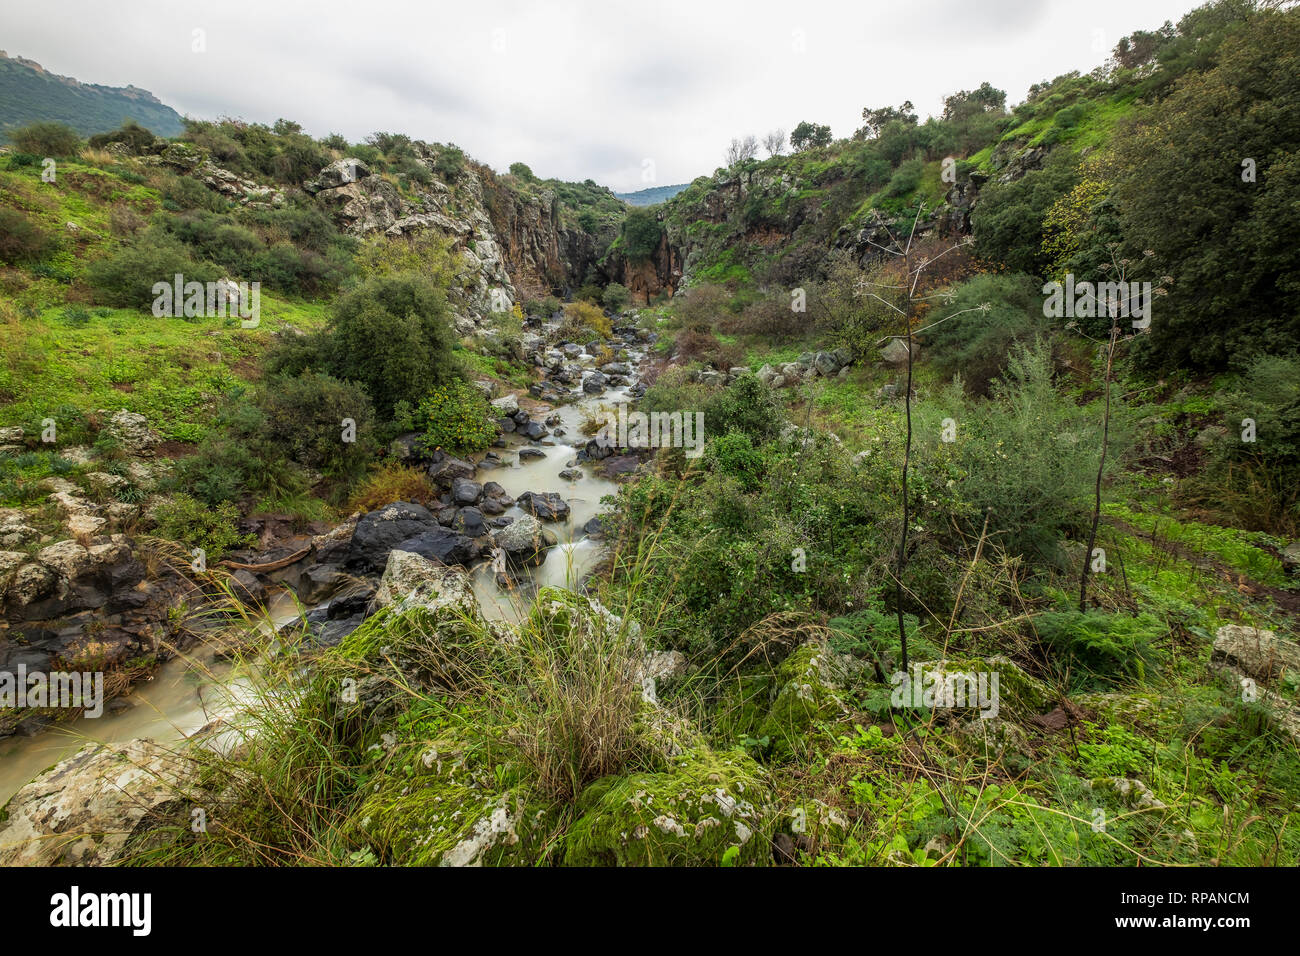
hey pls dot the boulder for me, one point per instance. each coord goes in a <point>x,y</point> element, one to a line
<point>524,541</point>
<point>548,506</point>
<point>97,806</point>
<point>132,433</point>
<point>411,579</point>
<point>378,532</point>
<point>465,491</point>
<point>1257,653</point>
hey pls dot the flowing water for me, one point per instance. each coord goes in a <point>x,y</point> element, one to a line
<point>194,689</point>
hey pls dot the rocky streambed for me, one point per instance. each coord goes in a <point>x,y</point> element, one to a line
<point>523,515</point>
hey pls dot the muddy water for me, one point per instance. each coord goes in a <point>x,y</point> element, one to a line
<point>186,694</point>
<point>192,690</point>
<point>576,554</point>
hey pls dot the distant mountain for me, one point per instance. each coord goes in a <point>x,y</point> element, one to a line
<point>29,93</point>
<point>648,197</point>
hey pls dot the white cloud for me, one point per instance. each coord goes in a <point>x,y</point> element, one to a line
<point>576,90</point>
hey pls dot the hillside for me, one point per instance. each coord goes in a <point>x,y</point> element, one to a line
<point>29,93</point>
<point>651,195</point>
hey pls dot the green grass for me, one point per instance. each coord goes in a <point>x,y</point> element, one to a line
<point>168,369</point>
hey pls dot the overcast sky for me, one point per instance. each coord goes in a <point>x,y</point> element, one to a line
<point>629,94</point>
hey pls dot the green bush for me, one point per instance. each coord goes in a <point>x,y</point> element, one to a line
<point>21,240</point>
<point>1097,646</point>
<point>976,345</point>
<point>1027,457</point>
<point>46,139</point>
<point>198,524</point>
<point>747,406</point>
<point>734,454</point>
<point>305,417</point>
<point>394,337</point>
<point>615,297</point>
<point>126,277</point>
<point>457,417</point>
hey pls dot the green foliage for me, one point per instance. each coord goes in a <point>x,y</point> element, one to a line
<point>734,454</point>
<point>615,297</point>
<point>394,337</point>
<point>46,139</point>
<point>1184,191</point>
<point>1008,219</point>
<point>641,234</point>
<point>305,416</point>
<point>977,345</point>
<point>522,171</point>
<point>198,524</point>
<point>458,418</point>
<point>1027,457</point>
<point>1097,646</point>
<point>809,136</point>
<point>126,277</point>
<point>21,240</point>
<point>746,406</point>
<point>131,134</point>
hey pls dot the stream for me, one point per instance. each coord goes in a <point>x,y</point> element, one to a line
<point>195,688</point>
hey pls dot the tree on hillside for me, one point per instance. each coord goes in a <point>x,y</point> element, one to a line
<point>741,150</point>
<point>874,121</point>
<point>966,103</point>
<point>809,136</point>
<point>774,142</point>
<point>394,337</point>
<point>1209,180</point>
<point>641,233</point>
<point>522,171</point>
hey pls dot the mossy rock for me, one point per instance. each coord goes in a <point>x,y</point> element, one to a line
<point>811,683</point>
<point>1019,695</point>
<point>558,613</point>
<point>709,808</point>
<point>452,802</point>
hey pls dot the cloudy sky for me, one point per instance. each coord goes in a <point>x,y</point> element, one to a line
<point>629,94</point>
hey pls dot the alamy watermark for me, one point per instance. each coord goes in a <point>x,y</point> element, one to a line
<point>624,429</point>
<point>938,688</point>
<point>1086,300</point>
<point>194,300</point>
<point>65,689</point>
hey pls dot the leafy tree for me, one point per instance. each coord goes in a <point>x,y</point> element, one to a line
<point>809,136</point>
<point>1008,219</point>
<point>960,106</point>
<point>132,135</point>
<point>874,121</point>
<point>641,234</point>
<point>394,337</point>
<point>1207,195</point>
<point>305,416</point>
<point>522,171</point>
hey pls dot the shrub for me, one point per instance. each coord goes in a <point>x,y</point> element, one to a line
<point>746,406</point>
<point>131,134</point>
<point>391,482</point>
<point>46,139</point>
<point>21,240</point>
<point>458,418</point>
<point>126,278</point>
<point>199,524</point>
<point>734,454</point>
<point>615,297</point>
<point>977,345</point>
<point>582,322</point>
<point>1027,457</point>
<point>394,337</point>
<point>305,417</point>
